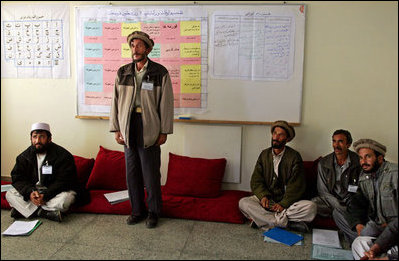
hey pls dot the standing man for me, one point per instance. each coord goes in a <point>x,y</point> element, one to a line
<point>373,210</point>
<point>278,184</point>
<point>337,176</point>
<point>141,118</point>
<point>44,178</point>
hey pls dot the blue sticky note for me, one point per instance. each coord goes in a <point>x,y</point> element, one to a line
<point>283,236</point>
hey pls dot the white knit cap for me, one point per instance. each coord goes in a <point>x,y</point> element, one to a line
<point>40,126</point>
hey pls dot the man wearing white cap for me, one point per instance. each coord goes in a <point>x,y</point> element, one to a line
<point>44,178</point>
<point>372,219</point>
<point>141,118</point>
<point>278,185</point>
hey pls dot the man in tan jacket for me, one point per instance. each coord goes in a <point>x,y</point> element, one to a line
<point>141,118</point>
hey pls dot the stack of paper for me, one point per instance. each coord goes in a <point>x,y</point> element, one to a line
<point>326,246</point>
<point>22,228</point>
<point>6,187</point>
<point>328,238</point>
<point>117,197</point>
<point>328,253</point>
<point>283,236</point>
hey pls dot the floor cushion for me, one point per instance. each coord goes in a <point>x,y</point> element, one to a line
<point>223,208</point>
<point>109,171</point>
<point>195,177</point>
<point>84,167</point>
<point>99,204</point>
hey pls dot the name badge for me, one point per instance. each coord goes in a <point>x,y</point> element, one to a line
<point>352,188</point>
<point>149,86</point>
<point>47,170</point>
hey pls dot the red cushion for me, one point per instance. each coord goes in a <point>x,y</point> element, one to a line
<point>109,171</point>
<point>220,209</point>
<point>99,204</point>
<point>84,167</point>
<point>196,177</point>
<point>223,208</point>
<point>4,202</point>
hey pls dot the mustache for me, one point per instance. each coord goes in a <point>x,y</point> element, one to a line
<point>365,165</point>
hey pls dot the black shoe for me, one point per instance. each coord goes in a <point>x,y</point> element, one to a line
<point>133,219</point>
<point>15,214</point>
<point>51,215</point>
<point>299,226</point>
<point>152,220</point>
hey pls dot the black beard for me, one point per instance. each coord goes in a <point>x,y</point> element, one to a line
<point>40,150</point>
<point>278,145</point>
<point>374,169</point>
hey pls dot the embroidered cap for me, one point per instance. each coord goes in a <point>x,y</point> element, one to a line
<point>288,129</point>
<point>371,144</point>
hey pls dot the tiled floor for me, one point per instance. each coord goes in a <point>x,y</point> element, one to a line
<point>98,236</point>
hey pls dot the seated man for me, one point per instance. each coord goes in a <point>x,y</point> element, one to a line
<point>365,247</point>
<point>44,178</point>
<point>373,210</point>
<point>337,176</point>
<point>278,184</point>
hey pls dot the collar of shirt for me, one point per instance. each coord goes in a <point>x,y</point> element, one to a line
<point>277,159</point>
<point>344,166</point>
<point>142,69</point>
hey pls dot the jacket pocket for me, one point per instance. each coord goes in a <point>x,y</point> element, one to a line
<point>389,202</point>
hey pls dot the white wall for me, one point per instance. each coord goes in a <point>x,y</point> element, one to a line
<point>350,82</point>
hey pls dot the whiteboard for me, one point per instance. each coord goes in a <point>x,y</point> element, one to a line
<point>245,84</point>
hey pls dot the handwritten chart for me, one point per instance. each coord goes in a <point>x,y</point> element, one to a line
<point>252,45</point>
<point>180,36</point>
<point>34,42</point>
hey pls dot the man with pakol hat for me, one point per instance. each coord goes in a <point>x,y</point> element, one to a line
<point>44,178</point>
<point>372,219</point>
<point>141,118</point>
<point>278,185</point>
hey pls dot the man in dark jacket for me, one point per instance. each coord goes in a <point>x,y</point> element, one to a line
<point>373,210</point>
<point>44,178</point>
<point>337,177</point>
<point>278,185</point>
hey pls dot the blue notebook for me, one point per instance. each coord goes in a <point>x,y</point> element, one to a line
<point>283,236</point>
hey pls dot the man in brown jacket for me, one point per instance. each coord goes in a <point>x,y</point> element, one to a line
<point>141,118</point>
<point>278,184</point>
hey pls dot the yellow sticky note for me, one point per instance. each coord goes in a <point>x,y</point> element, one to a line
<point>126,52</point>
<point>188,50</point>
<point>190,28</point>
<point>190,78</point>
<point>128,28</point>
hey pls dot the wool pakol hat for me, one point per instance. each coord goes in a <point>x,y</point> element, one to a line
<point>142,36</point>
<point>371,144</point>
<point>288,128</point>
<point>40,126</point>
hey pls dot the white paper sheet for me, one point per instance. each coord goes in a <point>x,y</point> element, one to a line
<point>325,237</point>
<point>117,197</point>
<point>252,45</point>
<point>35,41</point>
<point>20,228</point>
